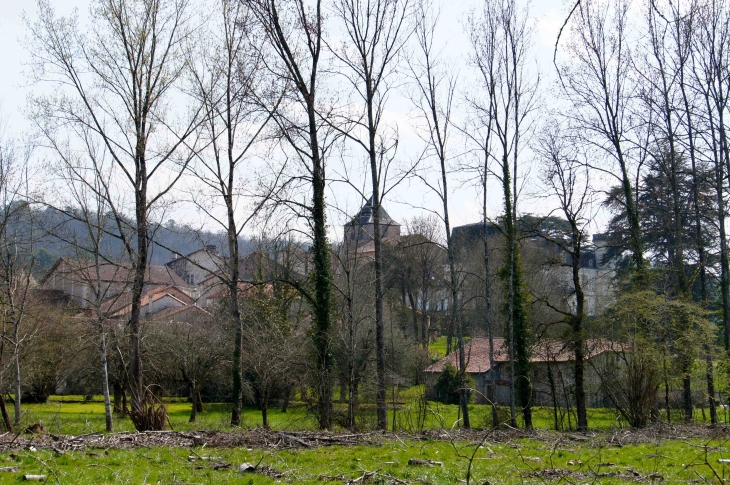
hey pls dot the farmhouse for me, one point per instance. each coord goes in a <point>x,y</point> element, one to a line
<point>551,374</point>
<point>82,281</point>
<point>198,265</point>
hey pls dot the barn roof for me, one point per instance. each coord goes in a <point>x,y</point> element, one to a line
<point>552,350</point>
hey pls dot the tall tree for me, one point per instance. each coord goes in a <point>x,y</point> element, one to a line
<point>114,80</point>
<point>434,101</point>
<point>683,30</point>
<point>484,57</point>
<point>710,66</point>
<point>295,33</point>
<point>95,267</point>
<point>17,239</point>
<point>227,81</point>
<point>353,289</point>
<point>501,43</point>
<point>375,33</point>
<point>567,178</point>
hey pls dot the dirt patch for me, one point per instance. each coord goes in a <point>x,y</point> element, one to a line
<point>255,438</point>
<point>269,439</point>
<point>560,474</point>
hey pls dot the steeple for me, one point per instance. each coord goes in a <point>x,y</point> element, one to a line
<point>361,227</point>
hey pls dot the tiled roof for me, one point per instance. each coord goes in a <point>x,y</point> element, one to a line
<point>183,313</point>
<point>122,304</point>
<point>553,350</point>
<point>84,271</point>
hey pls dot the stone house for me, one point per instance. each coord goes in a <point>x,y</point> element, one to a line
<point>154,301</point>
<point>198,265</point>
<point>78,278</point>
<point>551,375</point>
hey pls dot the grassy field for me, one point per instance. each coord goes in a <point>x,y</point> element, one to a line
<point>516,461</point>
<point>548,458</point>
<point>66,415</point>
<point>72,415</point>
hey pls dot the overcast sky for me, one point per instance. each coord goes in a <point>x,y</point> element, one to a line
<point>548,16</point>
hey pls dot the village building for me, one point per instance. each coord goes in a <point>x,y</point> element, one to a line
<point>198,265</point>
<point>81,279</point>
<point>360,232</point>
<point>154,300</point>
<point>551,375</point>
<point>596,275</point>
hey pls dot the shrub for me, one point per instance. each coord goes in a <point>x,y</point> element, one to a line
<point>447,386</point>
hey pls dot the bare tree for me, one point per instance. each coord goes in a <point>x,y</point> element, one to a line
<point>227,81</point>
<point>271,344</point>
<point>710,64</point>
<point>191,349</point>
<point>660,74</point>
<point>598,82</point>
<point>352,288</point>
<point>481,134</point>
<point>17,238</point>
<point>375,33</point>
<point>683,32</point>
<point>567,178</point>
<point>114,82</point>
<point>501,43</point>
<point>420,268</point>
<point>434,102</point>
<point>94,267</point>
<point>295,33</point>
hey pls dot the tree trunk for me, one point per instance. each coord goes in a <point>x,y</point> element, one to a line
<point>379,311</point>
<point>666,393</point>
<point>4,411</point>
<point>687,398</point>
<point>287,398</point>
<point>194,407</point>
<point>105,381</point>
<point>16,364</point>
<point>553,395</point>
<point>118,390</point>
<point>140,267</point>
<point>710,380</point>
<point>456,305</point>
<point>580,394</point>
<point>488,296</point>
<point>352,395</point>
<point>520,388</point>
<point>322,280</point>
<point>265,412</point>
<point>577,328</point>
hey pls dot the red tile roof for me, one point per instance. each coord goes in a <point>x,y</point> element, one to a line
<point>554,350</point>
<point>180,313</point>
<point>122,304</point>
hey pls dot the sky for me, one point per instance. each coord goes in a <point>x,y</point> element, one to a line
<point>404,202</point>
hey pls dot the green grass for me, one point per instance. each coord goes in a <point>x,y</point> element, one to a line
<point>437,348</point>
<point>71,415</point>
<point>517,461</point>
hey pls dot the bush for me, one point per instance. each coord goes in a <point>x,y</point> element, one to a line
<point>447,386</point>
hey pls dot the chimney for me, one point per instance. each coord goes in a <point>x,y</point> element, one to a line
<point>211,248</point>
<point>175,256</point>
